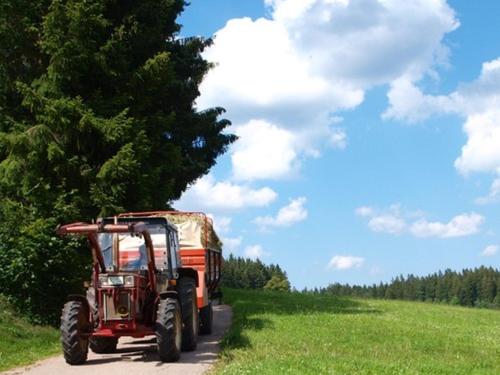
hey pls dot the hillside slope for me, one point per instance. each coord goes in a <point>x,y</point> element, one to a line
<point>276,333</point>
<point>22,343</point>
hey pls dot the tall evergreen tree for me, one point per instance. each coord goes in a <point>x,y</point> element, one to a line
<point>97,116</point>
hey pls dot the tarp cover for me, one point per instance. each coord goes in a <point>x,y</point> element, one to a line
<point>196,231</point>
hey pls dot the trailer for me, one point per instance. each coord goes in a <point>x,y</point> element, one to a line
<point>199,248</point>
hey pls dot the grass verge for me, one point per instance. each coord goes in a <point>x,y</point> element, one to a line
<point>276,333</point>
<point>22,343</point>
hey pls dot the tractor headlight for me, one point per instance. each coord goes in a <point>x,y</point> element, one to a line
<point>129,280</point>
<point>107,281</point>
<point>110,281</point>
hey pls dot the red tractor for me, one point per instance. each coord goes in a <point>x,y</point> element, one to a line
<point>140,287</point>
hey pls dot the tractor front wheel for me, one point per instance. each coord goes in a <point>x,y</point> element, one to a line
<point>75,326</point>
<point>206,319</point>
<point>102,345</point>
<point>189,308</point>
<point>169,330</point>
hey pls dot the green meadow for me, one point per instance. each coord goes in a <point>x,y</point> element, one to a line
<point>276,333</point>
<point>22,343</point>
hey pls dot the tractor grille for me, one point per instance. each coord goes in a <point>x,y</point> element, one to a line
<point>117,305</point>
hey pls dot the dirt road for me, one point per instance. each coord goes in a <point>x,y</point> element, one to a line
<point>139,356</point>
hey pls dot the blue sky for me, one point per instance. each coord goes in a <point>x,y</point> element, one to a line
<point>369,134</point>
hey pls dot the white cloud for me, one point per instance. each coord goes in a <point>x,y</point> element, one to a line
<point>395,221</point>
<point>490,251</point>
<point>345,262</point>
<point>408,103</point>
<point>493,195</point>
<point>364,211</point>
<point>459,226</point>
<point>387,223</point>
<point>263,151</point>
<point>481,153</point>
<point>308,60</point>
<point>222,224</point>
<point>231,245</point>
<point>290,214</point>
<point>478,102</point>
<point>255,252</point>
<point>338,138</point>
<point>207,194</point>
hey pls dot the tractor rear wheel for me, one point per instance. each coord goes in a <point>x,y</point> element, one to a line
<point>169,330</point>
<point>102,345</point>
<point>74,327</point>
<point>206,319</point>
<point>189,308</point>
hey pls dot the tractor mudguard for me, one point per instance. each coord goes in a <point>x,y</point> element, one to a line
<point>80,298</point>
<point>169,294</point>
<point>189,272</point>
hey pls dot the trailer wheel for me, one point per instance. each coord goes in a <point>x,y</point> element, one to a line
<point>190,320</point>
<point>206,319</point>
<point>74,324</point>
<point>169,330</point>
<point>102,345</point>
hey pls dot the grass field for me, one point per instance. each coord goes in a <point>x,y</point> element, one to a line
<point>275,333</point>
<point>22,343</point>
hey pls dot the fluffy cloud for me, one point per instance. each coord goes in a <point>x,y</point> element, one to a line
<point>287,74</point>
<point>387,223</point>
<point>408,103</point>
<point>490,251</point>
<point>255,252</point>
<point>222,224</point>
<point>345,262</point>
<point>292,213</point>
<point>364,211</point>
<point>395,221</point>
<point>478,102</point>
<point>207,194</point>
<point>482,150</point>
<point>263,151</point>
<point>493,195</point>
<point>459,226</point>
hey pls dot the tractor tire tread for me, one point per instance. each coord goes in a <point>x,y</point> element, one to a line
<point>165,330</point>
<point>70,335</point>
<point>190,323</point>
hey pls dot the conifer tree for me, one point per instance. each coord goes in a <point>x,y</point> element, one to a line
<point>97,116</point>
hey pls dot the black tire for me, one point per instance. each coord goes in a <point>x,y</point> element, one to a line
<point>190,319</point>
<point>168,330</point>
<point>74,324</point>
<point>102,345</point>
<point>206,319</point>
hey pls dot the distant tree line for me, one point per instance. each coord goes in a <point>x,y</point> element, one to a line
<point>471,287</point>
<point>242,273</point>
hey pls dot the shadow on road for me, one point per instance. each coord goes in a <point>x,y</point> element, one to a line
<point>145,350</point>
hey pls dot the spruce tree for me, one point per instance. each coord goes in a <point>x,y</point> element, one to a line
<point>97,116</point>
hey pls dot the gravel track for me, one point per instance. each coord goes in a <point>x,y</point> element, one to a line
<point>139,356</point>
